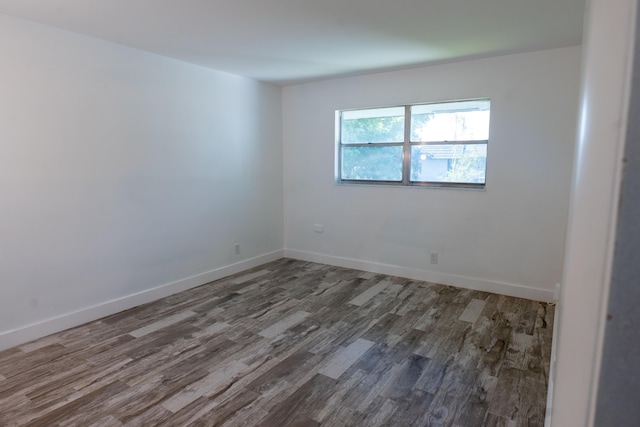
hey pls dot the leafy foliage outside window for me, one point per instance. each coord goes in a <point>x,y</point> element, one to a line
<point>372,163</point>
<point>371,130</point>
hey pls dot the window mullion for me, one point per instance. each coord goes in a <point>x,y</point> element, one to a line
<point>406,146</point>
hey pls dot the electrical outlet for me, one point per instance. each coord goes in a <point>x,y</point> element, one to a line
<point>434,257</point>
<point>237,248</point>
<point>318,228</point>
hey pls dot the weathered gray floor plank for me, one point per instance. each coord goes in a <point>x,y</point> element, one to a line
<point>292,343</point>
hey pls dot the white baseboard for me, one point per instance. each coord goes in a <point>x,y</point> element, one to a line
<point>43,328</point>
<point>18,336</point>
<point>495,287</point>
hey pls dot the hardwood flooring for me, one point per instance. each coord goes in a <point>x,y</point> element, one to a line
<point>292,343</point>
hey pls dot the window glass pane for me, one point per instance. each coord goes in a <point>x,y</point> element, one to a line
<point>451,121</point>
<point>373,125</point>
<point>372,163</point>
<point>460,163</point>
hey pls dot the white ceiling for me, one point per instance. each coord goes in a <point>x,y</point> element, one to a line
<point>285,41</point>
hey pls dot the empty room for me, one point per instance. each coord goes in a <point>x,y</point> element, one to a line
<point>317,213</point>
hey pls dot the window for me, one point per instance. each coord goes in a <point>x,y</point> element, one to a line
<point>440,144</point>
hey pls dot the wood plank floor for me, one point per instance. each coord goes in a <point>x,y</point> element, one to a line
<point>292,343</point>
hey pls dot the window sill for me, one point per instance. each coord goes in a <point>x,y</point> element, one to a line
<point>437,186</point>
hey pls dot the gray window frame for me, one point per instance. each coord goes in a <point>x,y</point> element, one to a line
<point>406,145</point>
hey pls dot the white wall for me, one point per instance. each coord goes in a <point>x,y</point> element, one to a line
<point>507,239</point>
<point>122,171</point>
<point>607,74</point>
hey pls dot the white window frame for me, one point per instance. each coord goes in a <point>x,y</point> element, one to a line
<point>406,145</point>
